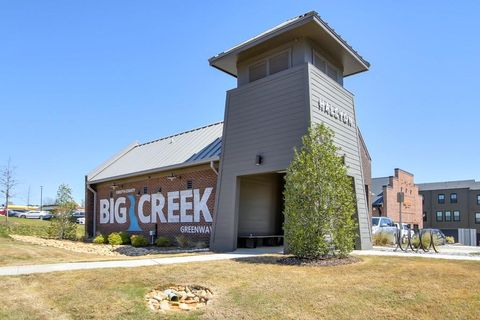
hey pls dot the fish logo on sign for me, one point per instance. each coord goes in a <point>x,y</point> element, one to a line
<point>131,215</point>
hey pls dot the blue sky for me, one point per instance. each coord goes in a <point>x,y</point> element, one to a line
<point>80,80</point>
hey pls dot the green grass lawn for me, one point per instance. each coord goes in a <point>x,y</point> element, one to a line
<point>33,226</point>
<point>376,288</point>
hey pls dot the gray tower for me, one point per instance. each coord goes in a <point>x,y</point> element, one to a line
<point>289,77</point>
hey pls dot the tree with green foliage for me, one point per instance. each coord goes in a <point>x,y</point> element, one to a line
<point>319,199</point>
<point>62,226</point>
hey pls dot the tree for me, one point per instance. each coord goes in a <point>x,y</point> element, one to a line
<point>7,184</point>
<point>62,226</point>
<point>319,199</point>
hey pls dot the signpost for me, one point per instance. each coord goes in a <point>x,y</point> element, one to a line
<point>400,200</point>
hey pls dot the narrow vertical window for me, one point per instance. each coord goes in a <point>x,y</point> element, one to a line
<point>453,198</point>
<point>448,216</point>
<point>441,198</point>
<point>439,216</point>
<point>456,215</point>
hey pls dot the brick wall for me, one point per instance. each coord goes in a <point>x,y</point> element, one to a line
<point>412,206</point>
<point>201,177</point>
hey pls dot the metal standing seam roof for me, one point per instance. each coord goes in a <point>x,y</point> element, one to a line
<point>186,148</point>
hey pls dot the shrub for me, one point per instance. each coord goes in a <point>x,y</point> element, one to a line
<point>100,239</point>
<point>200,245</point>
<point>125,237</point>
<point>115,238</point>
<point>382,239</point>
<point>450,240</point>
<point>319,204</point>
<point>138,241</point>
<point>162,242</point>
<point>182,241</point>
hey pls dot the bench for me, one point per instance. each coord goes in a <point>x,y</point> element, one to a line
<point>252,241</point>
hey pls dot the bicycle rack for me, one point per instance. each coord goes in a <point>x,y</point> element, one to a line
<point>421,235</point>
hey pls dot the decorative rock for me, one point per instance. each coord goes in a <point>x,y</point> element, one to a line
<point>184,306</point>
<point>164,305</point>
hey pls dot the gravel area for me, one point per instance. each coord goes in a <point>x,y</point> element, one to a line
<point>101,249</point>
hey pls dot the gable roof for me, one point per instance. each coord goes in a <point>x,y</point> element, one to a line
<point>183,149</point>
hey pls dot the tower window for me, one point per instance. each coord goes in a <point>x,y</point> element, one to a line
<point>329,69</point>
<point>268,66</point>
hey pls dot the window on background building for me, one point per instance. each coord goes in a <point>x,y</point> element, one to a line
<point>439,216</point>
<point>478,199</point>
<point>448,216</point>
<point>456,215</point>
<point>453,198</point>
<point>441,198</point>
<point>477,217</point>
<point>424,217</point>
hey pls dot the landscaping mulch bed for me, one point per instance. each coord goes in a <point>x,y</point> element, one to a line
<point>321,262</point>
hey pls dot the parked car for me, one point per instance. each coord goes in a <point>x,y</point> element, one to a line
<point>81,220</point>
<point>2,212</point>
<point>76,215</point>
<point>405,230</point>
<point>43,215</point>
<point>383,224</point>
<point>438,236</point>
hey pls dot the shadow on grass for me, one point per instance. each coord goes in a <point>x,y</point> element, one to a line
<point>288,260</point>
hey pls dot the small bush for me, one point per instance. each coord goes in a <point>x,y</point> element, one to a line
<point>100,239</point>
<point>182,241</point>
<point>125,237</point>
<point>162,242</point>
<point>450,240</point>
<point>138,241</point>
<point>383,239</point>
<point>200,245</point>
<point>115,239</point>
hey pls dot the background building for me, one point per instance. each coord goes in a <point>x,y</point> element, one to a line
<point>451,205</point>
<point>385,203</point>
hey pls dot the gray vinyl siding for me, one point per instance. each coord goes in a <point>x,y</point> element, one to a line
<point>346,137</point>
<point>266,117</point>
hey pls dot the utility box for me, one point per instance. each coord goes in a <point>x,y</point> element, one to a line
<point>467,237</point>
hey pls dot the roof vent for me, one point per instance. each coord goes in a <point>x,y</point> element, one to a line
<point>171,140</point>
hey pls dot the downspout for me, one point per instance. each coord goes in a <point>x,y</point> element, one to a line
<point>94,209</point>
<point>213,168</point>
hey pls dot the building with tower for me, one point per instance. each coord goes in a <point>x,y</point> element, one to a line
<point>224,182</point>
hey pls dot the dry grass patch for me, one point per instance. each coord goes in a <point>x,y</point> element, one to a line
<point>376,288</point>
<point>14,252</point>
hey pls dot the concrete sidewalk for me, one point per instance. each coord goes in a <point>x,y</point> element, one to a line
<point>410,254</point>
<point>43,268</point>
<point>447,252</point>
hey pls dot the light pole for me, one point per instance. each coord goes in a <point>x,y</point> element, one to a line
<point>41,198</point>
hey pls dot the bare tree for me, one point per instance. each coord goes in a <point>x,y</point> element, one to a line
<point>7,184</point>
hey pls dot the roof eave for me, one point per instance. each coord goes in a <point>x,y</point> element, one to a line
<point>155,170</point>
<point>216,61</point>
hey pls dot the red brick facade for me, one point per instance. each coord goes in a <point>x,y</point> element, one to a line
<point>412,206</point>
<point>193,178</point>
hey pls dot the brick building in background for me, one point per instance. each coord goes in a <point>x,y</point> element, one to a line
<point>385,203</point>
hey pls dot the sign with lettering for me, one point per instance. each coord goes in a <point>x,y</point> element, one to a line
<point>335,112</point>
<point>185,206</point>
